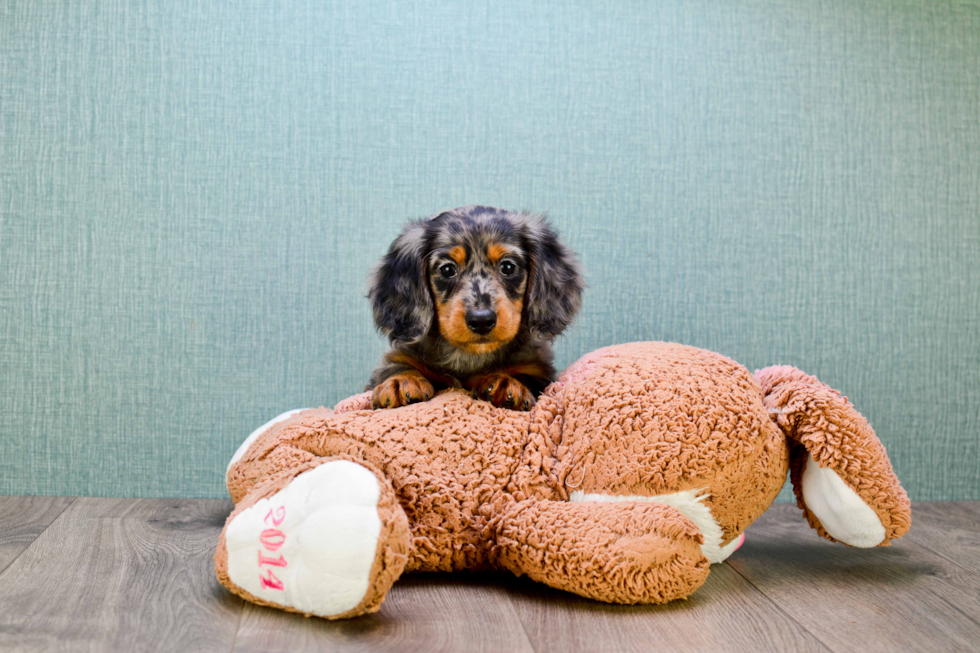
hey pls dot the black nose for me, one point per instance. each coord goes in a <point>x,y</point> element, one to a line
<point>481,320</point>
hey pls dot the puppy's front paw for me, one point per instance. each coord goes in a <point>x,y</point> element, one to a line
<point>401,390</point>
<point>502,391</point>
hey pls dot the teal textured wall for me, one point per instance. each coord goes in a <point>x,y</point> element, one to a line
<point>191,195</point>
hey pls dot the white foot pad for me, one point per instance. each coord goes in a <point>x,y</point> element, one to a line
<point>840,510</point>
<point>311,545</point>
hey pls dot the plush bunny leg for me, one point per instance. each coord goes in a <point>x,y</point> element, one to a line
<point>839,469</point>
<point>327,538</point>
<point>271,450</point>
<point>623,552</point>
<point>280,445</point>
<point>258,433</point>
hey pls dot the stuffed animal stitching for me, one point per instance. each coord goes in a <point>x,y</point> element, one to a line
<point>639,467</point>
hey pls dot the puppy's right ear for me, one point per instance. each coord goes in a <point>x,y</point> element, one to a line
<point>398,292</point>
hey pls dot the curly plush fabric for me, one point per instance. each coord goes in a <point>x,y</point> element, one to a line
<point>823,425</point>
<point>654,418</point>
<point>637,464</point>
<point>624,553</point>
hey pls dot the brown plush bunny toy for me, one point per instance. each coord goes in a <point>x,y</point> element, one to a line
<point>638,468</point>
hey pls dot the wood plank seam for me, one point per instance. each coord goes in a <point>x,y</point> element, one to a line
<point>516,608</point>
<point>780,609</point>
<point>238,626</point>
<point>71,501</point>
<point>928,548</point>
<point>957,609</point>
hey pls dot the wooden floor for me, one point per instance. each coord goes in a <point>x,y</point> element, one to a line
<point>136,575</point>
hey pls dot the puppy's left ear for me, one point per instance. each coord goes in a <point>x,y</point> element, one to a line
<point>556,284</point>
<point>397,289</point>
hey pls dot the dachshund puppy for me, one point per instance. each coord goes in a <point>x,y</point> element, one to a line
<point>472,298</point>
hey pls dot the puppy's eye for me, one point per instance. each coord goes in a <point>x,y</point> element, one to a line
<point>507,268</point>
<point>447,270</point>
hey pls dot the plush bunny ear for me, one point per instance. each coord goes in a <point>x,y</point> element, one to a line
<point>556,285</point>
<point>397,288</point>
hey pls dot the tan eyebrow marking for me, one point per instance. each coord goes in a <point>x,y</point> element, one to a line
<point>458,254</point>
<point>495,251</point>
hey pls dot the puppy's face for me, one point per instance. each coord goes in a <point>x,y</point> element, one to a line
<point>478,274</point>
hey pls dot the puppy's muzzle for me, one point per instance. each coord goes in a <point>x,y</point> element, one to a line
<point>481,321</point>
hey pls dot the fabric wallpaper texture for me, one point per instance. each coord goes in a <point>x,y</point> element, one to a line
<point>192,194</point>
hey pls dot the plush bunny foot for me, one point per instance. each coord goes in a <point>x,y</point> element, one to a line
<point>840,472</point>
<point>841,511</point>
<point>328,542</point>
